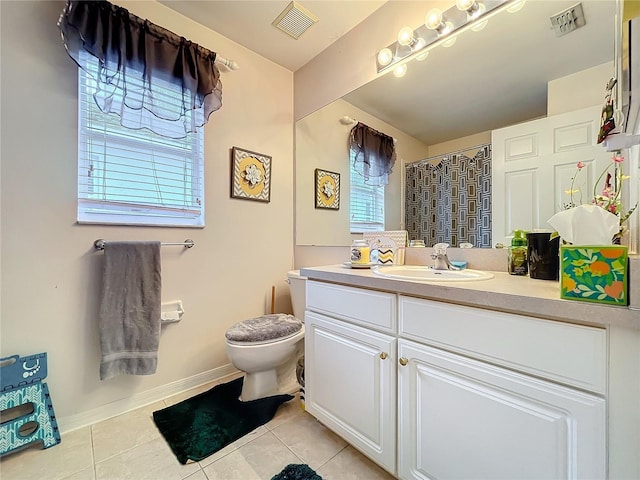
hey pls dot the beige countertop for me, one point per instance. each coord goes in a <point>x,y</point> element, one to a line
<point>504,292</point>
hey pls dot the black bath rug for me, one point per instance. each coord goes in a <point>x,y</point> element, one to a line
<point>297,472</point>
<point>200,426</point>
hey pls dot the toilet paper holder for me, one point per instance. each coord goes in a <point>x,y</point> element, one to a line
<point>171,312</point>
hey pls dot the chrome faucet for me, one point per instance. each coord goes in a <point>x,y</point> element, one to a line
<point>440,259</point>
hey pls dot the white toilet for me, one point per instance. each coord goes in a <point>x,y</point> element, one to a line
<point>266,348</point>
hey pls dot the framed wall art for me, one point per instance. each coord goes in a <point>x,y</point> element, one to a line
<point>250,175</point>
<point>327,189</point>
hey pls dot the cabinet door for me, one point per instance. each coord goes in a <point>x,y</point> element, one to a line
<point>350,385</point>
<point>463,419</point>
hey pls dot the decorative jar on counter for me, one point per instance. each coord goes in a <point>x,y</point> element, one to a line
<point>360,252</point>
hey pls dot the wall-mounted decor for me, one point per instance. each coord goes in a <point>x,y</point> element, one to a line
<point>327,189</point>
<point>250,175</point>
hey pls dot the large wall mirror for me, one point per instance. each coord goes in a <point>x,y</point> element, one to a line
<point>500,76</point>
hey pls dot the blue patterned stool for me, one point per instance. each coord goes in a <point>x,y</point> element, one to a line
<point>25,404</point>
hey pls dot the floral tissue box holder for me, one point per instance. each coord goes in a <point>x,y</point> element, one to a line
<point>594,273</point>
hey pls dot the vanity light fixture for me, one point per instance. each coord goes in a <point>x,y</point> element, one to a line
<point>449,42</point>
<point>400,70</point>
<point>423,56</point>
<point>433,20</point>
<point>472,7</point>
<point>474,10</point>
<point>516,6</point>
<point>439,28</point>
<point>479,25</point>
<point>385,56</point>
<point>405,36</point>
<point>408,43</point>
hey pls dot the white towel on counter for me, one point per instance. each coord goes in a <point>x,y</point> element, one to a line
<point>130,309</point>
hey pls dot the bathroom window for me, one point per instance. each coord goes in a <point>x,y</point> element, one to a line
<point>136,177</point>
<point>366,204</point>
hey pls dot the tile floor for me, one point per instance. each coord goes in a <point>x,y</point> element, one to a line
<point>130,447</point>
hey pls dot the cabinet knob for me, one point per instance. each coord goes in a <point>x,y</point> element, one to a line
<point>403,361</point>
<point>384,355</point>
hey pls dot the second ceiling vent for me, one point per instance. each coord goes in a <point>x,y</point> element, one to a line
<point>295,20</point>
<point>568,20</point>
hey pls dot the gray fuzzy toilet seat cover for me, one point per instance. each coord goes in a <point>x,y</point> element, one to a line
<point>264,328</point>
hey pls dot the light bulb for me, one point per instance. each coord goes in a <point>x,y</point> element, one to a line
<point>422,56</point>
<point>449,42</point>
<point>446,29</point>
<point>466,5</point>
<point>385,56</point>
<point>516,6</point>
<point>400,70</point>
<point>433,19</point>
<point>405,36</point>
<point>480,25</point>
<point>419,44</point>
<point>481,10</point>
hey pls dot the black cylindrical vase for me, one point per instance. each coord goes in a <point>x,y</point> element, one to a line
<point>543,255</point>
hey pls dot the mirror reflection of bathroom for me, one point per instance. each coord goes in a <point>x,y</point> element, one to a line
<point>454,179</point>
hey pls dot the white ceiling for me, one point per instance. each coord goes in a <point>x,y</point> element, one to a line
<point>249,24</point>
<point>487,80</point>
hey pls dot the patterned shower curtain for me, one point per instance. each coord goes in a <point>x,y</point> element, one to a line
<point>450,201</point>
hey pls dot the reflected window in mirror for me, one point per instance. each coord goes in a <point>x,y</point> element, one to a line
<point>372,155</point>
<point>366,203</point>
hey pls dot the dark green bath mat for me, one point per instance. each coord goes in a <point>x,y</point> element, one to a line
<point>200,426</point>
<point>297,472</point>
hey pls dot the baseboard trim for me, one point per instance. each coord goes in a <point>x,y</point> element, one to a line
<point>113,409</point>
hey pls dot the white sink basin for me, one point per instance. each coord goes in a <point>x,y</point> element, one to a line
<point>418,273</point>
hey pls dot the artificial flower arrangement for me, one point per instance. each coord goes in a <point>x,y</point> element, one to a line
<point>609,198</point>
<point>591,268</point>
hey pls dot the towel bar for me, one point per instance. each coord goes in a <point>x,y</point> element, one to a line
<point>188,243</point>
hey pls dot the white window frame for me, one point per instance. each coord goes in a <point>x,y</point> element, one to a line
<point>366,203</point>
<point>168,174</point>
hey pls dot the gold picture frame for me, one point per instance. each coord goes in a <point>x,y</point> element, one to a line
<point>327,189</point>
<point>250,175</point>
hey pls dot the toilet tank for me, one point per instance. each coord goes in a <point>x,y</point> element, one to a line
<point>298,290</point>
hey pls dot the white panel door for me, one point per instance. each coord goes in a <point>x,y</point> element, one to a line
<point>533,164</point>
<point>350,384</point>
<point>463,419</point>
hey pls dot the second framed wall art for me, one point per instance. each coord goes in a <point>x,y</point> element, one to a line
<point>250,175</point>
<point>327,189</point>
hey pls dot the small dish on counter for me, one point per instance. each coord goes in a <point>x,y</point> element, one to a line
<point>358,265</point>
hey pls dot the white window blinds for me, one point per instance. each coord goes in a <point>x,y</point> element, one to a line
<point>135,177</point>
<point>366,203</point>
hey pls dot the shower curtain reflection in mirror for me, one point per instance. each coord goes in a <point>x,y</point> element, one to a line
<point>448,198</point>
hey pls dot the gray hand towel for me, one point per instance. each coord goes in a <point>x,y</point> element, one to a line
<point>130,309</point>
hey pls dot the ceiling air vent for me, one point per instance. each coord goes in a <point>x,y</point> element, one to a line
<point>295,20</point>
<point>568,20</point>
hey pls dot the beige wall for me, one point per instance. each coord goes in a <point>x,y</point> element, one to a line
<point>460,144</point>
<point>322,142</point>
<point>50,271</point>
<point>582,89</point>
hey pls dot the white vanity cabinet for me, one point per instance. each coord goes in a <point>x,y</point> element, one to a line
<point>460,419</point>
<point>350,370</point>
<point>459,392</point>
